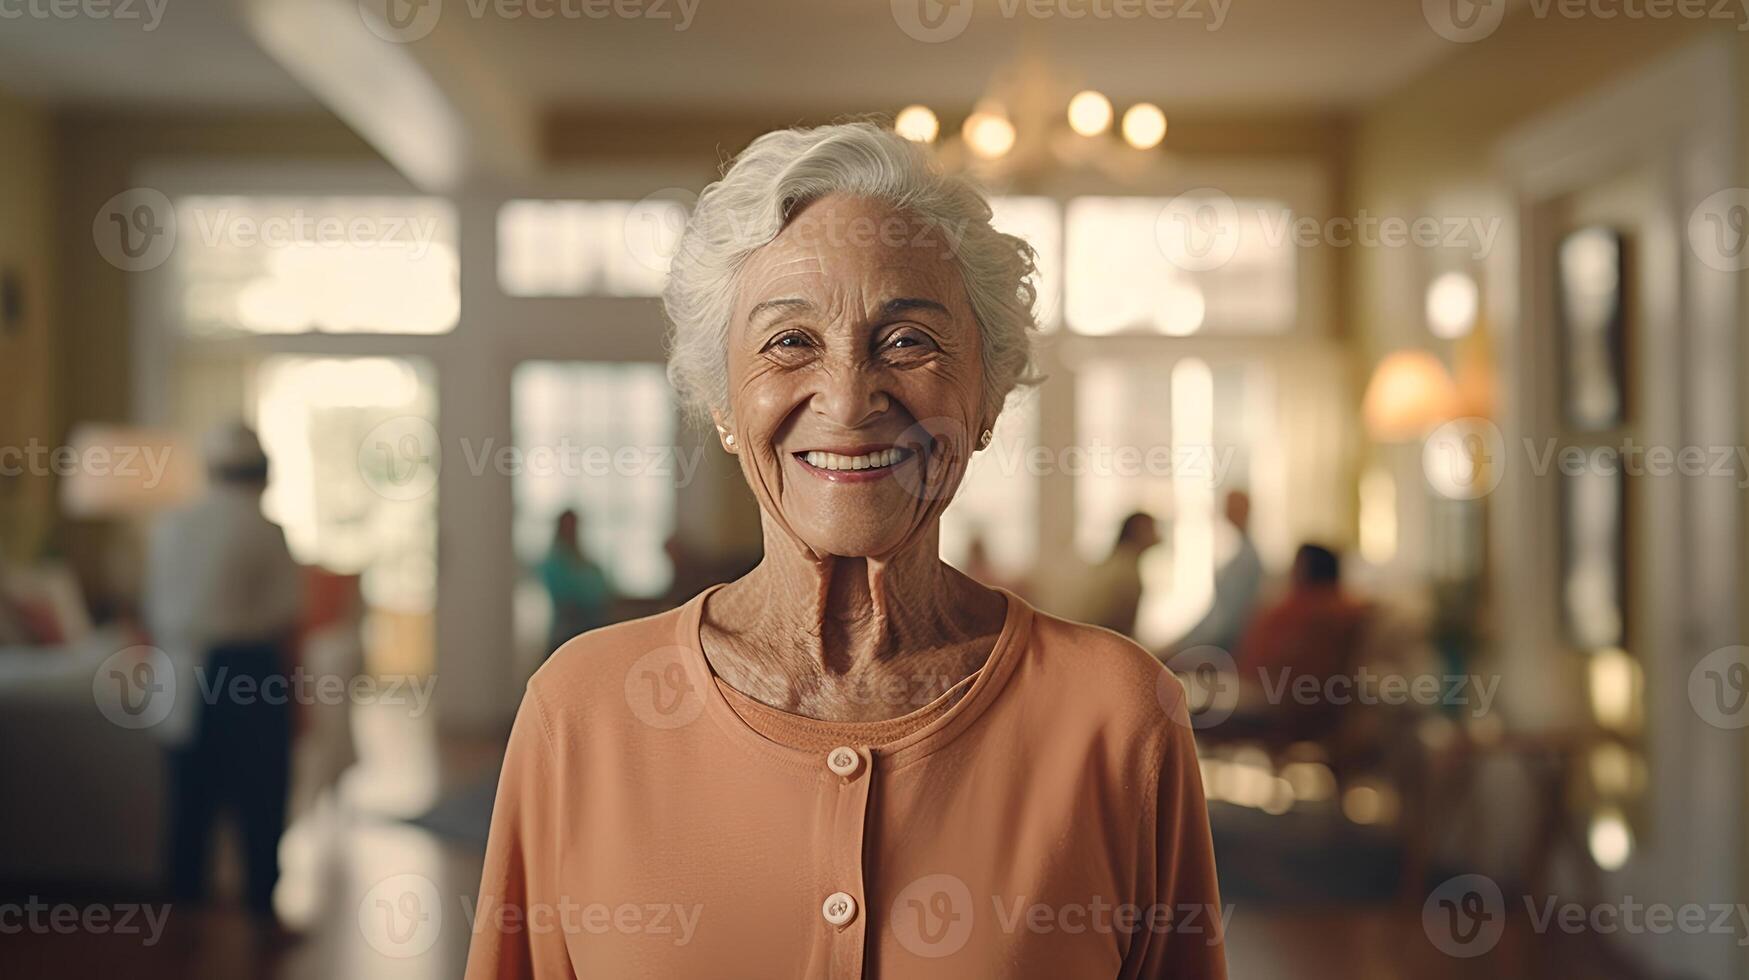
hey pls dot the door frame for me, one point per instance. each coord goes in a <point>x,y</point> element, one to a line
<point>1677,121</point>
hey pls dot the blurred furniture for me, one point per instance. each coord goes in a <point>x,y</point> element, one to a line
<point>1353,736</point>
<point>42,606</point>
<point>84,798</point>
<point>1446,799</point>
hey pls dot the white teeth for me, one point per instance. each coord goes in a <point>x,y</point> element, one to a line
<point>867,461</point>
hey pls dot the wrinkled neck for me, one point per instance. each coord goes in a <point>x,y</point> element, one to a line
<point>839,613</point>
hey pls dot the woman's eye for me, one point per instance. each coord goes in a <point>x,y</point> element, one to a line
<point>791,341</point>
<point>906,340</point>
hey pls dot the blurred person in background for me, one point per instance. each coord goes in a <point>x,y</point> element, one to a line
<point>222,589</point>
<point>1236,586</point>
<point>1111,593</point>
<point>576,585</point>
<point>1315,630</point>
<point>793,752</point>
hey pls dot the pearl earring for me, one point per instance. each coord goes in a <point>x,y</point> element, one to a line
<point>729,439</point>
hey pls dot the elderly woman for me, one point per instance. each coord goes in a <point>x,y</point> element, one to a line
<point>854,761</point>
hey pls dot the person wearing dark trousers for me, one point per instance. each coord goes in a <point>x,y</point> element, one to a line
<point>223,593</point>
<point>239,761</point>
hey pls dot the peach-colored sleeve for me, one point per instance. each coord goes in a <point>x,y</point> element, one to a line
<point>517,932</point>
<point>1192,944</point>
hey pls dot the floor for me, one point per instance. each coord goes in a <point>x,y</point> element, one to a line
<point>346,858</point>
<point>1352,944</point>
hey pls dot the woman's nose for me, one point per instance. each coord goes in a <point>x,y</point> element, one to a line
<point>851,395</point>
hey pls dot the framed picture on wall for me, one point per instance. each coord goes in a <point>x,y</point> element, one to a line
<point>1591,306</point>
<point>1593,566</point>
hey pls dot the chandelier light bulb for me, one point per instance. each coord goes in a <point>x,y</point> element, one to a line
<point>1089,113</point>
<point>1144,125</point>
<point>917,123</point>
<point>988,134</point>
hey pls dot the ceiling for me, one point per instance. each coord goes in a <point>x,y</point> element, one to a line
<point>1265,54</point>
<point>764,55</point>
<point>193,54</point>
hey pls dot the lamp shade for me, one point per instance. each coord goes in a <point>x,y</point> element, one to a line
<point>1410,393</point>
<point>121,471</point>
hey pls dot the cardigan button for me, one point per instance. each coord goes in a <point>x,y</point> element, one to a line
<point>844,761</point>
<point>839,908</point>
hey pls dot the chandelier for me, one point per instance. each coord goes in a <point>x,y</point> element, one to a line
<point>1030,123</point>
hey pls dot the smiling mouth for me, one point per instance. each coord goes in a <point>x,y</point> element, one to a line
<point>853,467</point>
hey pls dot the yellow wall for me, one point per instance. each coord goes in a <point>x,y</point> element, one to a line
<point>1426,149</point>
<point>97,155</point>
<point>27,347</point>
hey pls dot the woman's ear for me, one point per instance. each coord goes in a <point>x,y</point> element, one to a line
<point>985,425</point>
<point>725,435</point>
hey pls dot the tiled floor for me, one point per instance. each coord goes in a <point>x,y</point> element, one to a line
<point>335,856</point>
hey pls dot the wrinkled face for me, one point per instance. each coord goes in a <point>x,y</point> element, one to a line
<point>855,377</point>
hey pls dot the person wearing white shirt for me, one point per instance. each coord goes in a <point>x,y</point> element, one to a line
<point>222,588</point>
<point>1237,584</point>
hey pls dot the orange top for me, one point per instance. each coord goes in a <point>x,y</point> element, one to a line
<point>1043,818</point>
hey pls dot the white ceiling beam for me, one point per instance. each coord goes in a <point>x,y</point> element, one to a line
<point>414,91</point>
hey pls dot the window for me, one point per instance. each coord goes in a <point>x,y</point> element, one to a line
<point>283,265</point>
<point>997,502</point>
<point>587,248</point>
<point>353,483</point>
<point>1040,221</point>
<point>1170,439</point>
<point>1160,265</point>
<point>599,439</point>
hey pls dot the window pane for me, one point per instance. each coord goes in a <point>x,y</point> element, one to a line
<point>353,482</point>
<point>1197,431</point>
<point>544,248</point>
<point>598,439</point>
<point>307,264</point>
<point>587,248</point>
<point>997,502</point>
<point>1038,220</point>
<point>1120,280</point>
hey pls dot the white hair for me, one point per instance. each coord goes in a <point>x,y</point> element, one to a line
<point>783,171</point>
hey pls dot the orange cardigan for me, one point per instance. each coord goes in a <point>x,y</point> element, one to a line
<point>1044,819</point>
